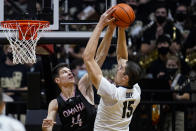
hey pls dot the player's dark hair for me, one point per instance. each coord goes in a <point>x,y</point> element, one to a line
<point>133,71</point>
<point>55,70</point>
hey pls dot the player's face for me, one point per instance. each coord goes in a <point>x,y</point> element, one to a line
<point>65,77</point>
<point>120,73</point>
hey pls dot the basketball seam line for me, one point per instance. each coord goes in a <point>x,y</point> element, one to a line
<point>121,19</point>
<point>125,12</point>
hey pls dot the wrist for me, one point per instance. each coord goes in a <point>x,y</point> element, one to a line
<point>121,28</point>
<point>111,28</point>
<point>100,26</point>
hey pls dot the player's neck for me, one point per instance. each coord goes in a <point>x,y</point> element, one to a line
<point>68,92</point>
<point>122,83</point>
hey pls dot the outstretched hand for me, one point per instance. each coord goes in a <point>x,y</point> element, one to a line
<point>106,18</point>
<point>48,123</point>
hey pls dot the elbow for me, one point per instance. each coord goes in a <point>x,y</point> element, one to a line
<point>86,57</point>
<point>79,88</point>
<point>118,57</point>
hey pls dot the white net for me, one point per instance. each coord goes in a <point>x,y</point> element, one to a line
<point>23,40</point>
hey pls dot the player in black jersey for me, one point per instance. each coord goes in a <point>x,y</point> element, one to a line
<point>76,113</point>
<point>75,107</point>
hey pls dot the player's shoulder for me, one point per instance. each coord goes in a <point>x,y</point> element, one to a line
<point>53,103</point>
<point>105,82</point>
<point>10,119</point>
<point>136,88</point>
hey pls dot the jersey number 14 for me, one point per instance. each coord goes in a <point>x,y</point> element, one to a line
<point>127,109</point>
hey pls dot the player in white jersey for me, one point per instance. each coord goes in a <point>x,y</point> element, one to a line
<point>8,123</point>
<point>118,101</point>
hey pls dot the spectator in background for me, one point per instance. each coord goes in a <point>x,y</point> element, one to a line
<point>161,26</point>
<point>12,76</point>
<point>157,68</point>
<point>190,43</point>
<point>8,123</point>
<point>182,20</point>
<point>176,49</point>
<point>177,82</point>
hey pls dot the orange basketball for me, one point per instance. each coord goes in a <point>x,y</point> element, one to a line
<point>124,15</point>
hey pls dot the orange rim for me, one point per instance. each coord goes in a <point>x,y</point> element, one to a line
<point>27,27</point>
<point>24,23</point>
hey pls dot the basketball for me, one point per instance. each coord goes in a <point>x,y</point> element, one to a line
<point>124,15</point>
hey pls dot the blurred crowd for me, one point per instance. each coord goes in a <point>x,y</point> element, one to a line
<point>161,39</point>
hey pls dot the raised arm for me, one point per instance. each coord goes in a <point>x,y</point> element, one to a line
<point>103,48</point>
<point>122,53</point>
<point>84,84</point>
<point>49,121</point>
<point>92,66</point>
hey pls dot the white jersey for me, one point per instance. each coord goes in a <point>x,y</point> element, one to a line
<point>116,106</point>
<point>10,124</point>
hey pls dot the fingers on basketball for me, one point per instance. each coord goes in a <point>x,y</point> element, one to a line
<point>124,15</point>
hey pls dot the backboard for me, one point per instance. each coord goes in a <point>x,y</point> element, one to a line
<point>71,21</point>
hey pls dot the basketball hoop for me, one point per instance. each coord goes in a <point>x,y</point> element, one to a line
<point>23,36</point>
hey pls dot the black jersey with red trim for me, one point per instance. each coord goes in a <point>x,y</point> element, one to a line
<point>75,113</point>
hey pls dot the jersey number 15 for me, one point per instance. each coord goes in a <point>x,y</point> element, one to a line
<point>127,109</point>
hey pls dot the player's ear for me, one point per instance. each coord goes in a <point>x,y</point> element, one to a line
<point>126,78</point>
<point>57,80</point>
